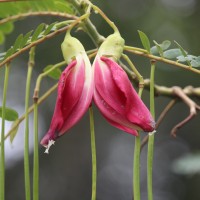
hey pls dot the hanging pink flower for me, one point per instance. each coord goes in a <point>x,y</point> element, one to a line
<point>117,100</point>
<point>75,91</point>
<point>110,87</point>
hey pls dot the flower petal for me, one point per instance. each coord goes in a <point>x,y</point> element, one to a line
<point>113,87</point>
<point>74,97</point>
<point>136,110</point>
<point>113,117</point>
<point>84,101</point>
<point>107,88</point>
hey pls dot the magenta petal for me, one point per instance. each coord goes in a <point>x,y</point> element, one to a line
<point>136,111</point>
<point>75,90</point>
<point>114,88</point>
<point>107,88</point>
<point>113,117</point>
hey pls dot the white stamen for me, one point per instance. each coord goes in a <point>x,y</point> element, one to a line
<point>151,133</point>
<point>51,142</point>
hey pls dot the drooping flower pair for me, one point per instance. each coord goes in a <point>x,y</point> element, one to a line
<point>105,82</point>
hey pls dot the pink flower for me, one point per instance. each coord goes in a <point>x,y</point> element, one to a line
<point>75,91</point>
<point>117,100</point>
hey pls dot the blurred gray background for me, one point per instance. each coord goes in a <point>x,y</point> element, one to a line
<point>65,173</point>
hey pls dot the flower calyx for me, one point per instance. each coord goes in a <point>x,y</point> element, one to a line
<point>112,46</point>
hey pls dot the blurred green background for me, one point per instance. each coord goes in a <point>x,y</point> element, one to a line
<point>65,173</point>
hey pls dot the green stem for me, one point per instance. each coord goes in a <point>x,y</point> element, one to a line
<point>93,149</point>
<point>136,169</point>
<point>151,137</point>
<point>134,69</point>
<point>41,76</point>
<point>112,25</point>
<point>35,156</point>
<point>135,49</point>
<point>136,159</point>
<point>2,149</point>
<point>142,52</point>
<point>31,108</point>
<point>26,136</point>
<point>90,28</point>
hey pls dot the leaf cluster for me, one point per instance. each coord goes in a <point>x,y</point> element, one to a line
<point>23,40</point>
<point>8,9</point>
<point>179,53</point>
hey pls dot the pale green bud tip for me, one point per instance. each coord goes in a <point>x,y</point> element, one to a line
<point>71,48</point>
<point>113,46</point>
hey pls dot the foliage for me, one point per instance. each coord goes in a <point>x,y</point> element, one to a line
<point>9,9</point>
<point>178,54</point>
<point>10,114</point>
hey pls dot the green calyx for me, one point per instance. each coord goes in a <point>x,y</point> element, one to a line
<point>113,46</point>
<point>71,47</point>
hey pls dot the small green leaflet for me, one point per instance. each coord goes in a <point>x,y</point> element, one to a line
<point>164,46</point>
<point>10,114</point>
<point>172,53</point>
<point>9,52</point>
<point>194,60</point>
<point>159,48</point>
<point>37,32</point>
<point>184,53</point>
<point>18,42</point>
<point>49,28</point>
<point>28,38</point>
<point>145,41</point>
<point>14,128</point>
<point>55,74</point>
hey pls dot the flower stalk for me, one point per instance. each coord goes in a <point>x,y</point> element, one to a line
<point>151,136</point>
<point>111,24</point>
<point>35,156</point>
<point>93,151</point>
<point>2,148</point>
<point>26,135</point>
<point>136,169</point>
<point>136,157</point>
<point>41,76</point>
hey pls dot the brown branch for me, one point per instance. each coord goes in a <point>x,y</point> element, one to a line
<point>171,62</point>
<point>169,91</point>
<point>161,90</point>
<point>38,13</point>
<point>40,100</point>
<point>190,103</point>
<point>160,119</point>
<point>42,39</point>
<point>33,44</point>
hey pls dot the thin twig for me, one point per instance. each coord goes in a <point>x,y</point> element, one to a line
<point>161,90</point>
<point>43,39</point>
<point>40,100</point>
<point>160,119</point>
<point>171,62</point>
<point>190,103</point>
<point>33,44</point>
<point>169,91</point>
<point>38,13</point>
